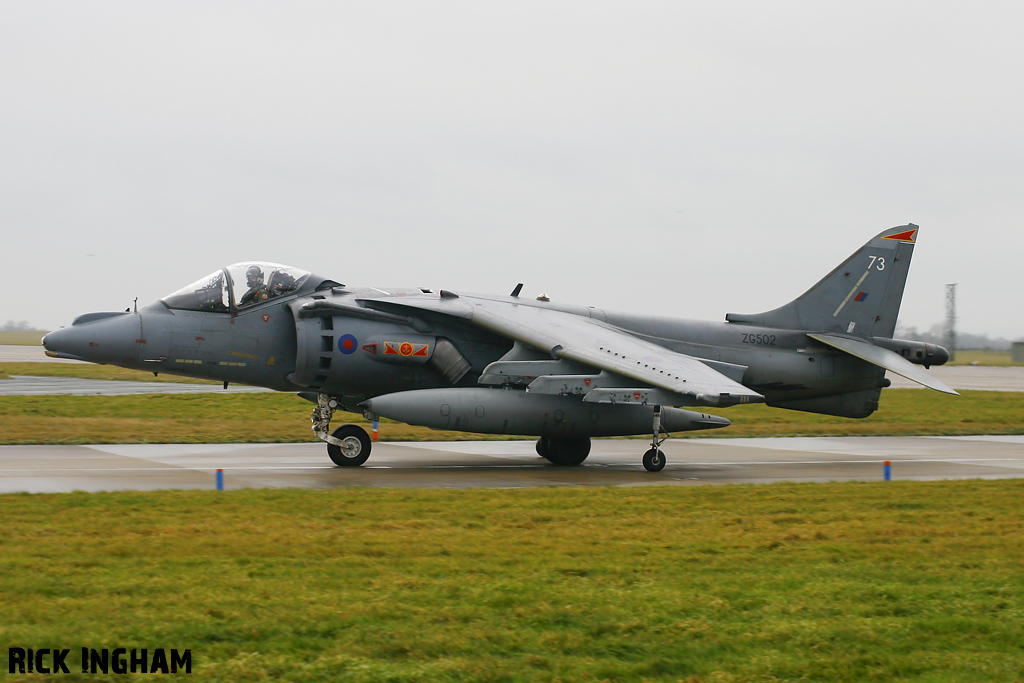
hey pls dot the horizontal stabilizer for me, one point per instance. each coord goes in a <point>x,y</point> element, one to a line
<point>883,358</point>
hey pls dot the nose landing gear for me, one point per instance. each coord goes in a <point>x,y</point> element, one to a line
<point>348,445</point>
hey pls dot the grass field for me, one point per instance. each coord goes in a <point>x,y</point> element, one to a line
<point>241,418</point>
<point>21,337</point>
<point>983,357</point>
<point>790,582</point>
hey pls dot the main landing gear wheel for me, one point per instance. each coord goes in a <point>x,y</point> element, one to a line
<point>564,452</point>
<point>354,448</point>
<point>654,460</point>
<point>542,447</point>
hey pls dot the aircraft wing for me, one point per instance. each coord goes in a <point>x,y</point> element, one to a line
<point>576,338</point>
<point>883,358</point>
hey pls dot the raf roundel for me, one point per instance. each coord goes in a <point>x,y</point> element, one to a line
<point>347,344</point>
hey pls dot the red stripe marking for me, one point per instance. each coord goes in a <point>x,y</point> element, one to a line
<point>906,236</point>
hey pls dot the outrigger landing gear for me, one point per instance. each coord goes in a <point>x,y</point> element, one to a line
<point>348,445</point>
<point>654,459</point>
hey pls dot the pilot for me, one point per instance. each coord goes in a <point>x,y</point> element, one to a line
<point>258,291</point>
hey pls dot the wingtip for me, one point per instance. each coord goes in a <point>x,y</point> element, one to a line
<point>937,386</point>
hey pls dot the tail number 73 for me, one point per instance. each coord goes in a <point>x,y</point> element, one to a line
<point>877,262</point>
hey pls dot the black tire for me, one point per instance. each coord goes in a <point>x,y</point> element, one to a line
<point>568,452</point>
<point>543,447</point>
<point>356,449</point>
<point>654,460</point>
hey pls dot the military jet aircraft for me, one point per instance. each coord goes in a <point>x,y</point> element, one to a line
<point>515,365</point>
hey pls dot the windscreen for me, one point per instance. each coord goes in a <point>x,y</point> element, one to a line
<point>207,294</point>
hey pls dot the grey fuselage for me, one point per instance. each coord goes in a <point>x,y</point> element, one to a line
<point>339,347</point>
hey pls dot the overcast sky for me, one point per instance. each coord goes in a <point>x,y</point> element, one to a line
<point>686,159</point>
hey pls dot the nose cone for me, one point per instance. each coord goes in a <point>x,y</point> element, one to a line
<point>941,356</point>
<point>59,343</point>
<point>98,338</point>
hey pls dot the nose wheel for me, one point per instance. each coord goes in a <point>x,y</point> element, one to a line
<point>348,445</point>
<point>654,459</point>
<point>354,448</point>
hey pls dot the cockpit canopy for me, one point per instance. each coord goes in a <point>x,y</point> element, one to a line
<point>238,286</point>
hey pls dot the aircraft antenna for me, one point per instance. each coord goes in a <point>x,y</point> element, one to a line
<point>949,336</point>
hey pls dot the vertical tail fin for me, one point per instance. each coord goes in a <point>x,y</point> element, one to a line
<point>861,297</point>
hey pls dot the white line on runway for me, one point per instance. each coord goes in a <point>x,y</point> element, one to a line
<point>536,466</point>
<point>180,469</point>
<point>852,462</point>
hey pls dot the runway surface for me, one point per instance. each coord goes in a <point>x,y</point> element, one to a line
<point>506,464</point>
<point>970,377</point>
<point>20,385</point>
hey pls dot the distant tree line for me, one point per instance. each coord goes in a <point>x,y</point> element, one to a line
<point>11,326</point>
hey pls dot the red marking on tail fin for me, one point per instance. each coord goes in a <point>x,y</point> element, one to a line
<point>905,236</point>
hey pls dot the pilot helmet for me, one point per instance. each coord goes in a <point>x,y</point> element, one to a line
<point>254,273</point>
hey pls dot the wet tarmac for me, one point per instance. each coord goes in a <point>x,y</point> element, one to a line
<point>494,464</point>
<point>19,385</point>
<point>506,464</point>
<point>970,377</point>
